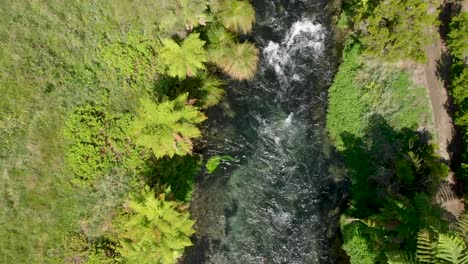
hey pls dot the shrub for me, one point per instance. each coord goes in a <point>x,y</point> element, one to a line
<point>98,141</point>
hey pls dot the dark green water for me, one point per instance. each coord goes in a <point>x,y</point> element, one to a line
<point>278,203</point>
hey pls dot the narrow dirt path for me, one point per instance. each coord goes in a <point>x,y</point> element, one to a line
<point>439,97</point>
<point>443,124</point>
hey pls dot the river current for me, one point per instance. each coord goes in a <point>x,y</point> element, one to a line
<point>278,202</point>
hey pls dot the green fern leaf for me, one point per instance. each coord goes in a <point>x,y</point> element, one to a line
<point>399,257</point>
<point>462,226</point>
<point>167,128</point>
<point>185,59</point>
<point>452,249</point>
<point>425,248</point>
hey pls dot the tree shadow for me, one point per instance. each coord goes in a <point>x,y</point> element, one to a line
<point>394,175</point>
<point>444,72</point>
<point>177,173</point>
<point>387,162</point>
<point>447,11</point>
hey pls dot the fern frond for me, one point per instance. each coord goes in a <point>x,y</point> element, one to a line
<point>182,60</point>
<point>400,257</point>
<point>425,248</point>
<point>462,226</point>
<point>156,232</point>
<point>167,128</point>
<point>452,249</point>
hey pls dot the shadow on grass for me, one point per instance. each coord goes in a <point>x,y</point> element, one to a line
<point>387,162</point>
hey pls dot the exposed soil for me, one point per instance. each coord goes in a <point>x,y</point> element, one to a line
<point>435,79</point>
<point>439,98</point>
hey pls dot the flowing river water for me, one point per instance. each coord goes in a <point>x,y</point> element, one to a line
<point>279,201</point>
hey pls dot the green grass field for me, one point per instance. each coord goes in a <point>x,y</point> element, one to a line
<point>363,89</point>
<point>48,65</point>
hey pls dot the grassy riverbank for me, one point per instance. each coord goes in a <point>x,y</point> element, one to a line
<point>381,123</point>
<point>83,85</point>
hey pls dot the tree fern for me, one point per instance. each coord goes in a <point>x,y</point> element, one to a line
<point>155,231</point>
<point>235,15</point>
<point>451,249</point>
<point>425,248</point>
<point>238,60</point>
<point>462,226</point>
<point>212,90</point>
<point>218,36</point>
<point>399,257</point>
<point>182,60</point>
<point>167,128</point>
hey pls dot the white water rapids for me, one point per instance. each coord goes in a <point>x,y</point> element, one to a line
<point>274,205</point>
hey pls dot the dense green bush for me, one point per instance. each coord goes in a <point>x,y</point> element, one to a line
<point>457,41</point>
<point>393,29</point>
<point>132,61</point>
<point>154,230</point>
<point>99,141</point>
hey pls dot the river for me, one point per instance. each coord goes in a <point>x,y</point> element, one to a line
<point>278,202</point>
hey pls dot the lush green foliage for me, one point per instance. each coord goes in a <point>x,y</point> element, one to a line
<point>236,15</point>
<point>357,242</point>
<point>436,247</point>
<point>457,41</point>
<point>185,59</point>
<point>391,29</point>
<point>213,162</point>
<point>176,174</point>
<point>79,68</point>
<point>372,117</point>
<point>168,127</point>
<point>131,60</point>
<point>154,231</point>
<point>161,17</point>
<point>362,90</point>
<point>99,141</point>
<point>238,60</point>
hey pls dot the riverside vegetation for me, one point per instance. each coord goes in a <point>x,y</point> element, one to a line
<point>101,108</point>
<point>102,104</point>
<point>379,120</point>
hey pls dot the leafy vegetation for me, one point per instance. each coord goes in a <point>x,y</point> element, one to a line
<point>77,79</point>
<point>238,60</point>
<point>185,59</point>
<point>457,44</point>
<point>237,16</point>
<point>98,142</point>
<point>391,29</point>
<point>154,231</point>
<point>168,127</point>
<point>435,247</point>
<point>362,90</point>
<point>379,121</point>
<point>213,162</point>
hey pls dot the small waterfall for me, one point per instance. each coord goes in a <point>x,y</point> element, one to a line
<point>287,121</point>
<point>305,36</point>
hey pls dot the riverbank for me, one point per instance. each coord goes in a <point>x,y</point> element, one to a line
<point>387,109</point>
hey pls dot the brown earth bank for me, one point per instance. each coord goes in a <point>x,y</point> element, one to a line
<point>436,78</point>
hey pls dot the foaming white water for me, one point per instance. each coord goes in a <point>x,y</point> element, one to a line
<point>304,36</point>
<point>287,121</point>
